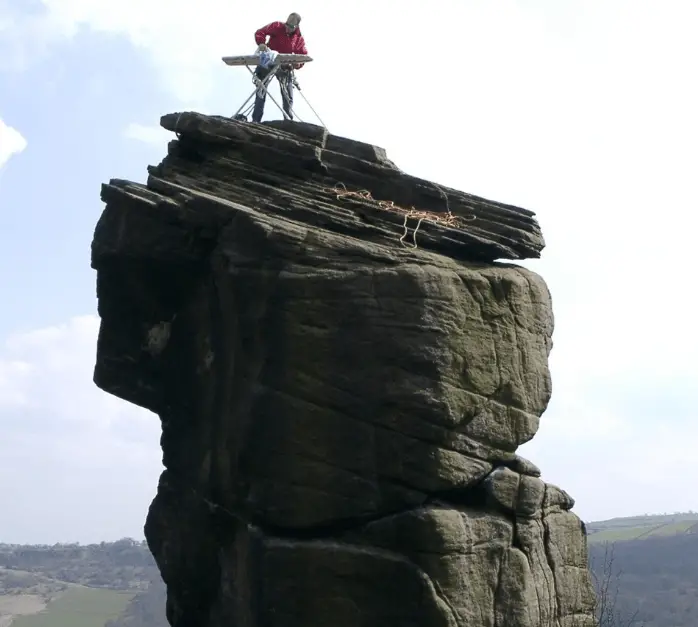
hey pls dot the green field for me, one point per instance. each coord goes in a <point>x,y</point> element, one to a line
<point>641,527</point>
<point>79,607</point>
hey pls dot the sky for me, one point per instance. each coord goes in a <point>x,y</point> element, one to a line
<point>583,111</point>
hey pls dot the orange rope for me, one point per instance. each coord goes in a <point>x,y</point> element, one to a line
<point>447,219</point>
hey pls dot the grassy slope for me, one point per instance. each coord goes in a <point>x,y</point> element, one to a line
<point>641,527</point>
<point>79,607</point>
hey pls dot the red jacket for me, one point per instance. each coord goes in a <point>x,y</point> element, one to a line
<point>280,40</point>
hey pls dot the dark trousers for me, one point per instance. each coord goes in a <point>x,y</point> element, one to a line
<point>285,78</point>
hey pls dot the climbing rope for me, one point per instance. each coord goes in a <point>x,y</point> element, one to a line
<point>414,234</point>
<point>298,87</point>
<point>444,219</point>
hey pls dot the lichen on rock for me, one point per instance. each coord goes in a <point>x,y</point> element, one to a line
<point>340,408</point>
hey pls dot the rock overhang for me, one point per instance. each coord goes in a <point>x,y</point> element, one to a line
<point>353,188</point>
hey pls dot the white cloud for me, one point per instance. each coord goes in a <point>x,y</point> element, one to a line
<point>621,428</point>
<point>153,135</point>
<point>11,142</point>
<point>614,467</point>
<point>75,462</point>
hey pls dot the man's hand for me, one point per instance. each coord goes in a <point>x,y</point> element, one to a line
<point>262,48</point>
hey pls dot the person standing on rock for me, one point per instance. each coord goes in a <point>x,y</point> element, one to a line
<point>284,38</point>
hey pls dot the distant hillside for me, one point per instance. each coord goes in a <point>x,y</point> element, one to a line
<point>642,527</point>
<point>122,565</point>
<point>146,609</point>
<point>655,576</point>
<point>69,585</point>
<point>650,562</point>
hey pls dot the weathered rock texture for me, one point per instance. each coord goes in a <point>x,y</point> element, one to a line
<point>340,410</point>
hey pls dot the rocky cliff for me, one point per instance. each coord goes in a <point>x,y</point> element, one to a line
<point>341,398</point>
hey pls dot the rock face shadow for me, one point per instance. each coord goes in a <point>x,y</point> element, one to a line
<point>340,413</point>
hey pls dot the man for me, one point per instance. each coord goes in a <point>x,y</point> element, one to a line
<point>284,38</point>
